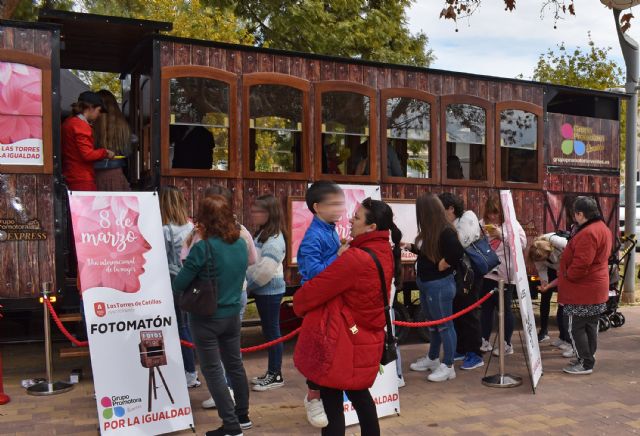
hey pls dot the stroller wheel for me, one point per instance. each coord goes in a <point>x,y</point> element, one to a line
<point>603,324</point>
<point>616,319</point>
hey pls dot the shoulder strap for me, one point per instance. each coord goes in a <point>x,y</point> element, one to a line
<point>385,297</point>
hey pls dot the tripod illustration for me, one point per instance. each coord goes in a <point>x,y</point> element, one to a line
<point>152,356</point>
<point>153,387</point>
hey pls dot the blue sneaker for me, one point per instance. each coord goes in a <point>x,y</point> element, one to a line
<point>472,361</point>
<point>457,357</point>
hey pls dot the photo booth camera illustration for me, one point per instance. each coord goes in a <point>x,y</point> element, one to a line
<point>153,356</point>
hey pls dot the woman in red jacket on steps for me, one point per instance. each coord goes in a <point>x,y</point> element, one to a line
<point>340,344</point>
<point>78,146</point>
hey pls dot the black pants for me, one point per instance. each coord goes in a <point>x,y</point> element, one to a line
<point>468,325</point>
<point>584,336</point>
<point>545,310</point>
<point>332,399</point>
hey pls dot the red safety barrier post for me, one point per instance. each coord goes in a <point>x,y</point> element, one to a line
<point>4,398</point>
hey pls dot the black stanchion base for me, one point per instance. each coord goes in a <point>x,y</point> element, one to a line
<point>45,388</point>
<point>502,381</point>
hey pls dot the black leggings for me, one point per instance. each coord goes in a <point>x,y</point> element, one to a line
<point>545,309</point>
<point>332,400</point>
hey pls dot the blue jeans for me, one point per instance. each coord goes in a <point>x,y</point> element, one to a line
<point>188,356</point>
<point>436,298</point>
<point>269,311</point>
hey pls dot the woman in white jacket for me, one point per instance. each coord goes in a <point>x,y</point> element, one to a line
<point>493,224</point>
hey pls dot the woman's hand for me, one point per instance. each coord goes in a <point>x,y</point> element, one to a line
<point>495,232</point>
<point>110,154</point>
<point>544,287</point>
<point>342,249</point>
<point>443,265</point>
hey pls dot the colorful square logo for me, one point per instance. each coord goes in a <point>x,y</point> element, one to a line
<point>110,411</point>
<point>570,144</point>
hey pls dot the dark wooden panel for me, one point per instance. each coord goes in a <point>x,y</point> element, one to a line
<point>297,67</point>
<point>200,56</point>
<point>397,78</point>
<point>182,54</point>
<point>265,63</point>
<point>27,259</point>
<point>234,61</point>
<point>384,78</point>
<point>43,43</point>
<point>494,91</point>
<point>461,86</point>
<point>411,80</point>
<point>342,71</point>
<point>371,76</point>
<point>9,276</point>
<point>355,73</point>
<point>6,37</point>
<point>327,70</point>
<point>249,63</point>
<point>282,64</point>
<point>166,54</point>
<point>448,85</point>
<point>423,82</point>
<point>218,58</point>
<point>435,84</point>
<point>25,40</point>
<point>312,69</point>
<point>46,249</point>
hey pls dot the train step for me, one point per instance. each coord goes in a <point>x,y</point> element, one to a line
<point>70,317</point>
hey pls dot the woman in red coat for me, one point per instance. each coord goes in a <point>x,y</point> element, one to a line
<point>78,146</point>
<point>340,344</point>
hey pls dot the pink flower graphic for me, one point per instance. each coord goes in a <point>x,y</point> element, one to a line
<point>109,245</point>
<point>301,217</point>
<point>20,102</point>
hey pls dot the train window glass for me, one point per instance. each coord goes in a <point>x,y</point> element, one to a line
<point>21,115</point>
<point>466,142</point>
<point>275,128</point>
<point>519,146</point>
<point>345,133</point>
<point>408,138</point>
<point>199,123</point>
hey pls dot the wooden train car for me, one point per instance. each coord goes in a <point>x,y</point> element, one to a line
<point>270,121</point>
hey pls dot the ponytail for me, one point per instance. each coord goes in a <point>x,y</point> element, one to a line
<point>380,214</point>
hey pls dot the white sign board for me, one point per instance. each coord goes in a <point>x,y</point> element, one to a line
<point>404,215</point>
<point>139,378</point>
<point>522,287</point>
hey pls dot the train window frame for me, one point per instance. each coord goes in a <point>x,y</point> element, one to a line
<point>488,107</point>
<point>345,86</point>
<point>203,72</point>
<point>44,65</point>
<point>434,156</point>
<point>538,112</point>
<point>253,79</point>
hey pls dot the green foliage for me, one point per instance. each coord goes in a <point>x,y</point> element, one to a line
<point>27,10</point>
<point>584,68</point>
<point>365,29</point>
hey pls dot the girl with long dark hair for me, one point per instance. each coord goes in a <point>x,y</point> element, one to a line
<point>439,252</point>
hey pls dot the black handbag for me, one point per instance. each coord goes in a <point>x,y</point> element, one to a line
<point>464,276</point>
<point>482,257</point>
<point>389,349</point>
<point>201,297</point>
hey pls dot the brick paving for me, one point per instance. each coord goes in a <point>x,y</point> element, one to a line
<point>604,403</point>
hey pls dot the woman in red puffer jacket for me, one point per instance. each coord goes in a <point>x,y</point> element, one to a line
<point>340,344</point>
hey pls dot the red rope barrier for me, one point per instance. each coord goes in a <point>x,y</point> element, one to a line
<point>284,338</point>
<point>449,318</point>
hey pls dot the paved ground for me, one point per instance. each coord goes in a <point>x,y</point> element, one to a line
<point>607,402</point>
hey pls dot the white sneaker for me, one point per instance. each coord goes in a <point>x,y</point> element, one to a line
<point>315,413</point>
<point>558,343</point>
<point>424,364</point>
<point>211,404</point>
<point>508,349</point>
<point>401,382</point>
<point>569,353</point>
<point>566,347</point>
<point>443,373</point>
<point>192,380</point>
<point>486,346</point>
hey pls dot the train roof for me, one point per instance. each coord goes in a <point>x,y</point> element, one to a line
<point>104,43</point>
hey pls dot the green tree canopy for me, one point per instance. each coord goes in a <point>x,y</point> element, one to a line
<point>365,29</point>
